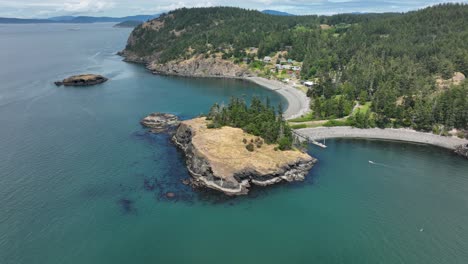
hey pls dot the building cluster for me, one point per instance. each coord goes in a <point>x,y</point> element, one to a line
<point>291,67</point>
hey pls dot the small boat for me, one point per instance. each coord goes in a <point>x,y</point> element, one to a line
<point>74,29</point>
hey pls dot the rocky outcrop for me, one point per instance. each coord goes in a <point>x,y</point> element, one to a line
<point>82,80</point>
<point>456,79</point>
<point>462,150</point>
<point>159,122</point>
<point>215,160</point>
<point>199,67</point>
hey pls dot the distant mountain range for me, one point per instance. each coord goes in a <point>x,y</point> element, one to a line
<point>76,19</point>
<point>276,13</point>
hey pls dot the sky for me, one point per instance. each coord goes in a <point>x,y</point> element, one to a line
<point>49,8</point>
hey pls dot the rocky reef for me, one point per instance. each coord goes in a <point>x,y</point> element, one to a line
<point>82,80</point>
<point>462,150</point>
<point>218,159</point>
<point>160,122</point>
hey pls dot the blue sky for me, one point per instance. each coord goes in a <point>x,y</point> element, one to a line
<point>47,8</point>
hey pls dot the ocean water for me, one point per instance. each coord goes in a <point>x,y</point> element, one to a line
<point>82,182</point>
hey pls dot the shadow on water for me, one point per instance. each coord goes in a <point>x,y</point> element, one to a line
<point>127,206</point>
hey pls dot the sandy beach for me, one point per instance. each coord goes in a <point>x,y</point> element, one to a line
<point>298,102</point>
<point>385,134</point>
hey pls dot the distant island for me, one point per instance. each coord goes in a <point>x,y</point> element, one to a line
<point>276,13</point>
<point>128,24</point>
<point>77,19</point>
<point>82,80</point>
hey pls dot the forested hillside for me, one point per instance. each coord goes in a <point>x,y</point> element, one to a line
<point>391,61</point>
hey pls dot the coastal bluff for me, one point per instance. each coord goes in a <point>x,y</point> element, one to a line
<point>218,158</point>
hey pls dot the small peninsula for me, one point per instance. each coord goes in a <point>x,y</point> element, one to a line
<point>82,80</point>
<point>236,146</point>
<point>128,24</point>
<point>218,158</point>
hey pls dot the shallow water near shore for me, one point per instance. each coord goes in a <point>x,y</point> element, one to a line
<point>82,182</point>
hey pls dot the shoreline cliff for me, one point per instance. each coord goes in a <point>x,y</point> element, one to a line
<point>218,169</point>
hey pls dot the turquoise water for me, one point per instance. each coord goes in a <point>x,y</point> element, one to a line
<point>82,182</point>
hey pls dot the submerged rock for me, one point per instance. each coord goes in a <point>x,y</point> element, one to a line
<point>82,80</point>
<point>462,150</point>
<point>160,122</point>
<point>218,159</point>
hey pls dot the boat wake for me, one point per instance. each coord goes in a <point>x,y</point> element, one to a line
<point>380,164</point>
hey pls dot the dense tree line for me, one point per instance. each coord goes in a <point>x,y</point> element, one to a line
<point>258,118</point>
<point>391,60</point>
<point>201,30</point>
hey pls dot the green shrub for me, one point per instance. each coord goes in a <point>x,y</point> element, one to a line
<point>284,143</point>
<point>258,142</point>
<point>213,125</point>
<point>333,122</point>
<point>298,126</point>
<point>303,118</point>
<point>250,147</point>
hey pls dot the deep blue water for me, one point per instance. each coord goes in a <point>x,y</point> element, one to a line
<point>82,182</point>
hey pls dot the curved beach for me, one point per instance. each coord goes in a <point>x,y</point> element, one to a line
<point>384,134</point>
<point>298,102</point>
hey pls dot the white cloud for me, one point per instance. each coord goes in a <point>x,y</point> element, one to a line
<point>87,6</point>
<point>44,8</point>
<point>164,7</point>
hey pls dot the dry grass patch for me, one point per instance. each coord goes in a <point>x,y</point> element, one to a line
<point>227,154</point>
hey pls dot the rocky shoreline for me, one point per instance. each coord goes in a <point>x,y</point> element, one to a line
<point>204,175</point>
<point>199,67</point>
<point>462,150</point>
